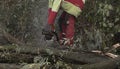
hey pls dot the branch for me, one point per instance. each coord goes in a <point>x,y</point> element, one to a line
<point>8,36</point>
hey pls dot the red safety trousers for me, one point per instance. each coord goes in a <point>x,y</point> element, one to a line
<point>67,29</point>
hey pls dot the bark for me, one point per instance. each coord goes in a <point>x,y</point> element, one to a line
<point>82,57</point>
<point>9,66</point>
<point>75,56</point>
<point>109,64</point>
<point>15,58</point>
<point>88,60</point>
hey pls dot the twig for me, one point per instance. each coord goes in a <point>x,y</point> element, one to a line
<point>108,52</point>
<point>113,47</point>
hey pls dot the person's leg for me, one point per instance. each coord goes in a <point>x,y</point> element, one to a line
<point>70,29</point>
<point>62,26</point>
<point>66,23</point>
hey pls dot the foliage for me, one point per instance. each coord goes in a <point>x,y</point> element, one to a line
<point>16,16</point>
<point>97,24</point>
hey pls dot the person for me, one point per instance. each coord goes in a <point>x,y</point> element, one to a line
<point>71,10</point>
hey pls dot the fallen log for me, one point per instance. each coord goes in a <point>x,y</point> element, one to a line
<point>109,64</point>
<point>9,66</point>
<point>15,58</point>
<point>88,60</point>
<point>93,61</point>
<point>81,57</point>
